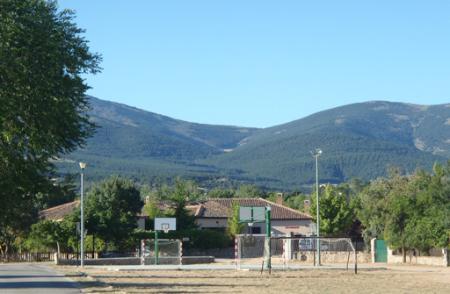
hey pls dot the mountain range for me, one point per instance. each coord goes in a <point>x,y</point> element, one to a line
<point>359,140</point>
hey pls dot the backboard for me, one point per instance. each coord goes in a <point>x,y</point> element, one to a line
<point>165,224</point>
<point>252,214</point>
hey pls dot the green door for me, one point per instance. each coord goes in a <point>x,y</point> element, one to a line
<point>380,251</point>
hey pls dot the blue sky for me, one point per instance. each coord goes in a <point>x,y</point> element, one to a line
<point>262,63</point>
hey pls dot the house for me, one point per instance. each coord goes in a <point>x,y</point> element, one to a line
<point>214,214</point>
<point>57,213</point>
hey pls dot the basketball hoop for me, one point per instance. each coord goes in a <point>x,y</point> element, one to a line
<point>165,228</point>
<point>250,224</point>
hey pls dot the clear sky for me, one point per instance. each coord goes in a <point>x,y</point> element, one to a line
<point>260,63</point>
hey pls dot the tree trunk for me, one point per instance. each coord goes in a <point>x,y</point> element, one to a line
<point>58,249</point>
<point>404,254</point>
<point>6,253</point>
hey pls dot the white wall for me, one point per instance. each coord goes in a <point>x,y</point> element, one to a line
<point>280,227</point>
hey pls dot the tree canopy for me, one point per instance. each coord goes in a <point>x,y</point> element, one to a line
<point>42,103</point>
<point>335,210</point>
<point>112,209</point>
<point>409,212</point>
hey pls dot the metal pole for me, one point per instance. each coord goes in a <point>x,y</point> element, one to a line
<point>82,219</point>
<point>156,248</point>
<point>268,260</point>
<point>317,206</point>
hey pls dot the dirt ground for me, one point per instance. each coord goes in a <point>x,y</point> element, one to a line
<point>394,279</point>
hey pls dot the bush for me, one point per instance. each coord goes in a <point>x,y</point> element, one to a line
<point>198,239</point>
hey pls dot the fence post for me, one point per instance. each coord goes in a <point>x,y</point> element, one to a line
<point>236,252</point>
<point>142,252</point>
<point>445,256</point>
<point>181,251</point>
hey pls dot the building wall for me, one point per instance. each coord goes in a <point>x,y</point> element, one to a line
<point>211,222</point>
<point>422,260</point>
<point>279,227</point>
<point>296,227</point>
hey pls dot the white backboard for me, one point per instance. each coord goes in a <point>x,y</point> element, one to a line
<point>252,213</point>
<point>165,223</point>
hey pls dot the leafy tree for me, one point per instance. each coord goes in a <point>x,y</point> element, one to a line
<point>42,104</point>
<point>221,193</point>
<point>62,191</point>
<point>429,226</point>
<point>336,214</point>
<point>234,227</point>
<point>111,210</point>
<point>46,235</point>
<point>410,212</point>
<point>152,209</point>
<point>399,212</point>
<point>372,209</point>
<point>248,191</point>
<point>295,200</point>
<point>181,193</point>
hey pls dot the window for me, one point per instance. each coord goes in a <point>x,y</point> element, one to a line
<point>256,230</point>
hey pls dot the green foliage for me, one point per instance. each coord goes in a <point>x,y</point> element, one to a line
<point>248,191</point>
<point>111,210</point>
<point>45,236</point>
<point>42,104</point>
<point>335,211</point>
<point>221,193</point>
<point>359,140</point>
<point>182,192</point>
<point>152,210</point>
<point>372,208</point>
<point>410,212</point>
<point>207,239</point>
<point>234,227</point>
<point>200,239</point>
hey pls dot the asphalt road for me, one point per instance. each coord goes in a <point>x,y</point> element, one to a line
<point>33,278</point>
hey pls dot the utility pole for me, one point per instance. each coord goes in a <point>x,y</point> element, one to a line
<point>268,258</point>
<point>82,166</point>
<point>316,154</point>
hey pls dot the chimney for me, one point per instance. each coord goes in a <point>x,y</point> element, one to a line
<point>279,199</point>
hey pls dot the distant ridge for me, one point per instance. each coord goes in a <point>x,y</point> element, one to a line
<point>359,140</point>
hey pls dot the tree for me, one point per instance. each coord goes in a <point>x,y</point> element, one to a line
<point>42,104</point>
<point>410,212</point>
<point>181,193</point>
<point>46,235</point>
<point>371,209</point>
<point>152,209</point>
<point>112,207</point>
<point>429,226</point>
<point>221,193</point>
<point>336,214</point>
<point>248,191</point>
<point>234,227</point>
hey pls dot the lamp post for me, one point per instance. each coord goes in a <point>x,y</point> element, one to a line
<point>82,166</point>
<point>316,153</point>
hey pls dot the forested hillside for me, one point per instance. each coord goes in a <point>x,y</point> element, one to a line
<point>359,140</point>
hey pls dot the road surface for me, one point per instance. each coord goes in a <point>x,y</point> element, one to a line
<point>33,278</point>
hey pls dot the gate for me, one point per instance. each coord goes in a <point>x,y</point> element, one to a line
<point>380,251</point>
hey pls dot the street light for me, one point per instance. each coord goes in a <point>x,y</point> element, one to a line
<point>82,166</point>
<point>316,153</point>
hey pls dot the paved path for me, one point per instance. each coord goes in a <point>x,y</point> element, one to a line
<point>33,278</point>
<point>213,266</point>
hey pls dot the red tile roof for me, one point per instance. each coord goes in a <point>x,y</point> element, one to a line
<point>221,208</point>
<point>210,208</point>
<point>57,213</point>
